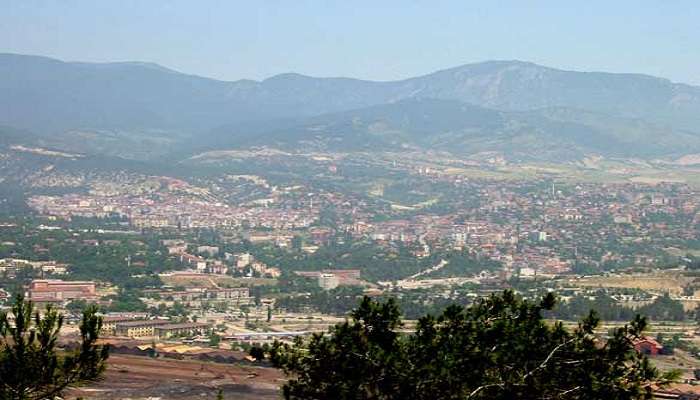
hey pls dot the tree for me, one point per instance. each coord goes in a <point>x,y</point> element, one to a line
<point>257,353</point>
<point>498,348</point>
<point>359,360</point>
<point>214,340</point>
<point>177,309</point>
<point>297,242</point>
<point>664,308</point>
<point>77,305</point>
<point>31,367</point>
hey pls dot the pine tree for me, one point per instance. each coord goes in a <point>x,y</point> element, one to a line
<point>498,348</point>
<point>31,366</point>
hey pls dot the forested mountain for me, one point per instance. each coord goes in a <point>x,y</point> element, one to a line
<point>461,128</point>
<point>507,106</point>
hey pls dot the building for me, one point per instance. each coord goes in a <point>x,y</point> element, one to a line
<point>334,277</point>
<point>109,323</point>
<point>175,246</point>
<point>328,281</point>
<point>648,346</point>
<point>10,266</point>
<point>231,296</point>
<point>538,236</point>
<point>217,267</point>
<point>340,273</point>
<point>184,329</point>
<point>238,295</point>
<point>211,251</point>
<point>193,261</point>
<point>243,260</point>
<point>57,291</point>
<point>138,329</point>
<point>158,328</point>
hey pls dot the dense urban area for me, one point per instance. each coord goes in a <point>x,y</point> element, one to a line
<point>216,267</point>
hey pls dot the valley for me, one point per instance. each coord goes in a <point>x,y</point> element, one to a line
<point>211,221</point>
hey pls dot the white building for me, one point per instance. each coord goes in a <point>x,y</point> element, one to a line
<point>328,281</point>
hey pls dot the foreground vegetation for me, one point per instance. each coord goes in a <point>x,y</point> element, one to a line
<point>32,366</point>
<point>500,347</point>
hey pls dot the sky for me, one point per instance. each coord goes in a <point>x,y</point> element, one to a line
<point>378,40</point>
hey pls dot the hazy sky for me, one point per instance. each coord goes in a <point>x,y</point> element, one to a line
<point>376,39</point>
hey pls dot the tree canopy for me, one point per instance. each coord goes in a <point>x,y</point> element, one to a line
<point>31,366</point>
<point>500,347</point>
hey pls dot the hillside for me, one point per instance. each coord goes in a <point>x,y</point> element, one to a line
<point>552,134</point>
<point>143,111</point>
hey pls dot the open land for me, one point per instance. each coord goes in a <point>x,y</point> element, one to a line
<point>134,377</point>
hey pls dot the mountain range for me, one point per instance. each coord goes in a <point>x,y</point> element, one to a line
<point>523,110</point>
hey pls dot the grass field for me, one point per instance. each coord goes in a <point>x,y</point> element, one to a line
<point>589,170</point>
<point>659,282</point>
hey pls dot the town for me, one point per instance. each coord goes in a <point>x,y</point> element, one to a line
<point>217,267</point>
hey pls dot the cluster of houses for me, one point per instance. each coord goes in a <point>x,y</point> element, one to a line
<point>206,260</point>
<point>179,205</point>
<point>10,266</point>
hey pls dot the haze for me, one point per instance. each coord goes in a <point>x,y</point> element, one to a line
<point>361,39</point>
<point>350,200</point>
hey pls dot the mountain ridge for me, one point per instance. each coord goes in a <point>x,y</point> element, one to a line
<point>463,129</point>
<point>154,65</point>
<point>104,104</point>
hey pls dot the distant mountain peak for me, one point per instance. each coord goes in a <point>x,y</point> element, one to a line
<point>493,65</point>
<point>288,76</point>
<point>467,103</point>
<point>503,63</point>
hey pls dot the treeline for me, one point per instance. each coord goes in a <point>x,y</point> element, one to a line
<point>114,259</point>
<point>464,264</point>
<point>376,263</point>
<point>663,308</point>
<point>415,303</point>
<point>338,301</point>
<point>341,300</point>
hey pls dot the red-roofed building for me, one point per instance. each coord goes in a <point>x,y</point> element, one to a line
<point>53,291</point>
<point>649,346</point>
